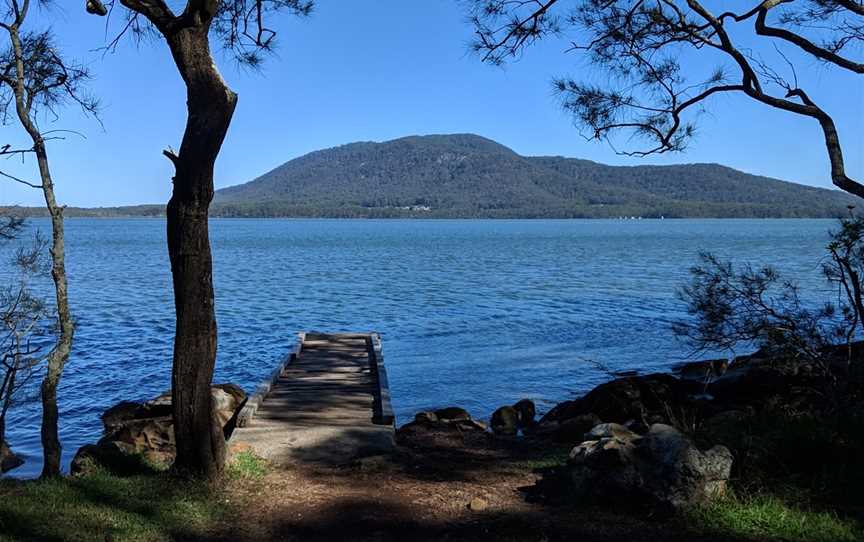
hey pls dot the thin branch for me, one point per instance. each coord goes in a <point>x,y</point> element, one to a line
<point>20,180</point>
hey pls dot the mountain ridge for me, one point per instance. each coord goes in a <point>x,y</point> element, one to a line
<point>470,176</point>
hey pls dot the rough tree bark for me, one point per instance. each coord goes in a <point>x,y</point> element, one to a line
<point>240,25</point>
<point>210,107</point>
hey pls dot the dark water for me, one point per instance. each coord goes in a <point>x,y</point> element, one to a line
<point>474,313</point>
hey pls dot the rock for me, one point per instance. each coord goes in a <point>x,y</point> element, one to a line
<point>86,458</point>
<point>610,430</point>
<point>233,390</point>
<point>451,414</point>
<point>115,456</point>
<point>662,469</point>
<point>478,505</point>
<point>701,371</point>
<point>121,413</point>
<point>471,424</point>
<point>426,417</point>
<point>505,421</point>
<point>572,431</point>
<point>645,399</point>
<point>527,411</point>
<point>225,405</point>
<point>140,436</point>
<point>750,381</point>
<point>8,459</point>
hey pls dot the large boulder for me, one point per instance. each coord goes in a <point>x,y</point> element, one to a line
<point>662,469</point>
<point>140,435</point>
<point>8,459</point>
<point>645,399</point>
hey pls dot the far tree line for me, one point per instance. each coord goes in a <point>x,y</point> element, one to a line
<point>641,44</point>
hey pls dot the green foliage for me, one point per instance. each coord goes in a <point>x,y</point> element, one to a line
<point>101,506</point>
<point>549,458</point>
<point>768,518</point>
<point>247,465</point>
<point>753,306</point>
<point>814,451</point>
<point>467,176</point>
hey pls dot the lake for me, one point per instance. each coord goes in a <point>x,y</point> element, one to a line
<point>473,313</point>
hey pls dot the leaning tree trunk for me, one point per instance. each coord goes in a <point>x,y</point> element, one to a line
<point>210,105</point>
<point>60,353</point>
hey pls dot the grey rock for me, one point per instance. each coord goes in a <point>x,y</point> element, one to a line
<point>660,469</point>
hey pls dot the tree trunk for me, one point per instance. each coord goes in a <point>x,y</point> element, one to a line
<point>210,105</point>
<point>60,353</point>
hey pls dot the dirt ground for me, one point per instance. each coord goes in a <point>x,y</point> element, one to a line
<point>441,485</point>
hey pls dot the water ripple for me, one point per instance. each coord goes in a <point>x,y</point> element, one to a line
<point>476,313</point>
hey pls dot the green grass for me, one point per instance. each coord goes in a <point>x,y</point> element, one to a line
<point>247,465</point>
<point>547,459</point>
<point>101,506</point>
<point>763,517</point>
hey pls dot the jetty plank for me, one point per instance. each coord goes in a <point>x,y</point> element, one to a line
<point>328,401</point>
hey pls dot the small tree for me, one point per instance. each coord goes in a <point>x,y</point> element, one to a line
<point>241,28</point>
<point>645,44</point>
<point>35,79</point>
<point>845,269</point>
<point>23,321</point>
<point>755,307</point>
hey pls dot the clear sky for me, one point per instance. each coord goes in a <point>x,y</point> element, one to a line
<point>377,70</point>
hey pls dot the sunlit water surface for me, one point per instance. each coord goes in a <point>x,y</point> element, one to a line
<point>474,313</point>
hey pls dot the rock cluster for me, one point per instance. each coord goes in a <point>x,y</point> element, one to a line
<point>137,435</point>
<point>637,401</point>
<point>661,469</point>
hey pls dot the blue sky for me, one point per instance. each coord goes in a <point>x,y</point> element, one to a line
<point>376,70</point>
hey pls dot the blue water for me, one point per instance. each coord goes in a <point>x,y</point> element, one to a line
<point>474,313</point>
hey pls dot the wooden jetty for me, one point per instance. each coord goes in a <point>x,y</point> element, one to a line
<point>328,401</point>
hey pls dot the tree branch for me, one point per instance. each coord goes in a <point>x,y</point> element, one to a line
<point>819,52</point>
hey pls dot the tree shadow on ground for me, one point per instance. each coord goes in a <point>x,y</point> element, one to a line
<point>107,507</point>
<point>376,520</point>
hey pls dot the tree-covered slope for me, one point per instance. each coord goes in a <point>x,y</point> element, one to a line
<point>465,175</point>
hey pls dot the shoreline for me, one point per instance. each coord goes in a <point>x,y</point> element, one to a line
<point>441,218</point>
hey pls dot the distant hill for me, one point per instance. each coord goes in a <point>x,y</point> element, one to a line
<point>468,176</point>
<point>464,175</point>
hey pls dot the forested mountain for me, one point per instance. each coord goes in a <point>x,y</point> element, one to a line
<point>466,175</point>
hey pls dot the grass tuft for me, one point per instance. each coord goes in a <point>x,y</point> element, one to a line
<point>764,517</point>
<point>247,465</point>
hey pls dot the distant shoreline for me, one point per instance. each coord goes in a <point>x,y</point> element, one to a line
<point>147,212</point>
<point>444,219</point>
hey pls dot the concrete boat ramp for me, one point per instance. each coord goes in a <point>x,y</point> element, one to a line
<point>328,402</point>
